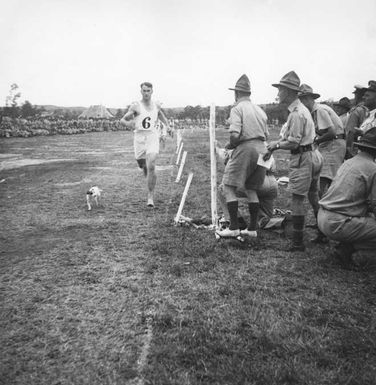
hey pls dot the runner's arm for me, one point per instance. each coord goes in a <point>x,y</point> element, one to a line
<point>163,119</point>
<point>128,119</point>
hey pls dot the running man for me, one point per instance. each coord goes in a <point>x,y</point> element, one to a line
<point>142,118</point>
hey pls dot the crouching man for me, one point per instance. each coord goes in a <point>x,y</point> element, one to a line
<point>347,211</point>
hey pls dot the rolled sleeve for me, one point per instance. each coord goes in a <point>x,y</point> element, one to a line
<point>295,133</point>
<point>235,121</point>
<point>323,120</point>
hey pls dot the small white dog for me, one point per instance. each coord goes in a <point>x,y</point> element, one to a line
<point>93,194</point>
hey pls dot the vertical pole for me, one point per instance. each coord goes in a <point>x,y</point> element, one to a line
<point>213,166</point>
<point>182,163</point>
<point>178,140</point>
<point>185,193</point>
<point>179,153</point>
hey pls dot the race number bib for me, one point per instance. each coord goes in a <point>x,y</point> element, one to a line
<point>146,123</point>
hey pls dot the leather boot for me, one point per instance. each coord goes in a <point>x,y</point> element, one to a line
<point>297,234</point>
<point>342,254</point>
<point>320,238</point>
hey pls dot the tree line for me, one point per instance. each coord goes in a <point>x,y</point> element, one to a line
<point>198,113</point>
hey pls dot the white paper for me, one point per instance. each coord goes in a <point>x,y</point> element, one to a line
<point>267,164</point>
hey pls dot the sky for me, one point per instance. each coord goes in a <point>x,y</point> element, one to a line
<point>86,52</point>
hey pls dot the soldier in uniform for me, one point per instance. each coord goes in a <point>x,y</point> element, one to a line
<point>342,108</point>
<point>305,162</point>
<point>330,136</point>
<point>356,117</point>
<point>370,102</point>
<point>248,132</point>
<point>347,211</point>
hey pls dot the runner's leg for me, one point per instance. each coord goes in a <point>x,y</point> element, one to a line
<point>151,176</point>
<point>142,164</point>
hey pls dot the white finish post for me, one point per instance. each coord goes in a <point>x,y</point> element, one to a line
<point>213,166</point>
<point>182,163</point>
<point>179,153</point>
<point>185,193</point>
<point>178,140</point>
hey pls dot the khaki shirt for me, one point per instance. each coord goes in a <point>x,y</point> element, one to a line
<point>356,117</point>
<point>325,117</point>
<point>344,118</point>
<point>369,122</point>
<point>249,120</point>
<point>299,127</point>
<point>352,187</point>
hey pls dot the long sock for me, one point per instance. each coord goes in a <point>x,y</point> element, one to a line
<point>253,208</point>
<point>233,211</point>
<point>297,231</point>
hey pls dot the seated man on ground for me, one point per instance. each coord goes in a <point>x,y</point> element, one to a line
<point>347,211</point>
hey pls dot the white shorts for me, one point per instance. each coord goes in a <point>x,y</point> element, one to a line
<point>145,143</point>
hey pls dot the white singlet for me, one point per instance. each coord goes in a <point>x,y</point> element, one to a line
<point>146,136</point>
<point>147,119</point>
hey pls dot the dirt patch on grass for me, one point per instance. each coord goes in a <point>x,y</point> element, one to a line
<point>9,164</point>
<point>5,156</point>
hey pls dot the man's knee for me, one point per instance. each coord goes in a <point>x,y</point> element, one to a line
<point>150,162</point>
<point>252,196</point>
<point>151,167</point>
<point>230,192</point>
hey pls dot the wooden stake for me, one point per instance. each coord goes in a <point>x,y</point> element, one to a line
<point>185,193</point>
<point>181,167</point>
<point>179,153</point>
<point>213,166</point>
<point>178,140</point>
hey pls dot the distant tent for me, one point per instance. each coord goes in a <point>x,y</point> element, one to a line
<point>96,112</point>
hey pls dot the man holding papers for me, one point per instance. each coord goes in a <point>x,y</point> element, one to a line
<point>305,162</point>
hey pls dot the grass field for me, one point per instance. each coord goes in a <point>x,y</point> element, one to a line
<point>119,295</point>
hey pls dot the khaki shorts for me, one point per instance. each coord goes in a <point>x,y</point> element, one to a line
<point>359,231</point>
<point>145,143</point>
<point>242,170</point>
<point>304,172</point>
<point>333,153</point>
